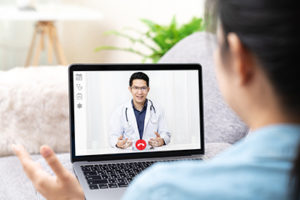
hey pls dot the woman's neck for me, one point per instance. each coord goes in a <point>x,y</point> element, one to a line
<point>271,117</point>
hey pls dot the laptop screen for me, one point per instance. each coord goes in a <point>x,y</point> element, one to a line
<point>142,110</point>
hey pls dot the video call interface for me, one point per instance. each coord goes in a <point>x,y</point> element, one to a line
<point>119,112</point>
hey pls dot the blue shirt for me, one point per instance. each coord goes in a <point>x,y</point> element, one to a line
<point>257,168</point>
<point>140,118</point>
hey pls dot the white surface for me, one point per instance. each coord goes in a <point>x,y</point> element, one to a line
<point>79,39</point>
<point>169,147</point>
<point>49,13</point>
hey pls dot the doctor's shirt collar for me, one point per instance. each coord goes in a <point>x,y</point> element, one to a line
<point>144,108</point>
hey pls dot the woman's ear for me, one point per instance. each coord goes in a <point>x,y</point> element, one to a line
<point>242,60</point>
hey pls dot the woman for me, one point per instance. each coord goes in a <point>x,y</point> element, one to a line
<point>258,72</point>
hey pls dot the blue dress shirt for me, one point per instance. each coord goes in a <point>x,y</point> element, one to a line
<point>140,118</point>
<point>255,168</point>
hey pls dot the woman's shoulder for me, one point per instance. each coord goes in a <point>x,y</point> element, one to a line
<point>225,179</point>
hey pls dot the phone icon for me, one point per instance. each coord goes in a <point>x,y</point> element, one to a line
<point>140,144</point>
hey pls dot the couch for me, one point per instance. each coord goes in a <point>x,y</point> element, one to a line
<point>34,111</point>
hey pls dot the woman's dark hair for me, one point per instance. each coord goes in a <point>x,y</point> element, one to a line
<point>139,75</point>
<point>270,30</point>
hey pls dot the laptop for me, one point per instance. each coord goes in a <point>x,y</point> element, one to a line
<point>121,123</point>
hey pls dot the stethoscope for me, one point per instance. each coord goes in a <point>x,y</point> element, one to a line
<point>152,108</point>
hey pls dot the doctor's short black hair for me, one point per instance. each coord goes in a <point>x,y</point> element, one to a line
<point>139,75</point>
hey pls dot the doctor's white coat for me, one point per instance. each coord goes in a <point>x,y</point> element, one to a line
<point>154,122</point>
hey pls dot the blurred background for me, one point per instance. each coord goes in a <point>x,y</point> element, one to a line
<point>79,38</point>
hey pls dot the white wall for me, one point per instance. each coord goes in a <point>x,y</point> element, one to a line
<point>80,38</point>
<point>173,92</point>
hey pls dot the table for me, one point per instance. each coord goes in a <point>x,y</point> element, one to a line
<point>45,17</point>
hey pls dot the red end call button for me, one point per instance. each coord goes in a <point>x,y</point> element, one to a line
<point>140,144</point>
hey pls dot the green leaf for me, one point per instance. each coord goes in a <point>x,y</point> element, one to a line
<point>162,37</point>
<point>153,27</point>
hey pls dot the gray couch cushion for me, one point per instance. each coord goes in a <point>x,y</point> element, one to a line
<point>221,123</point>
<point>14,183</point>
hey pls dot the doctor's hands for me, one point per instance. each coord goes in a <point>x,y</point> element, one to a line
<point>60,187</point>
<point>157,142</point>
<point>123,143</point>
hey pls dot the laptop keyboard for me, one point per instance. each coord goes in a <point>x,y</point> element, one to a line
<point>105,176</point>
<point>116,175</point>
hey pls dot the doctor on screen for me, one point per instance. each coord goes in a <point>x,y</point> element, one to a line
<point>138,124</point>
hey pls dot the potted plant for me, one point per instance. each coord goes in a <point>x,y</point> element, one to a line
<point>158,39</point>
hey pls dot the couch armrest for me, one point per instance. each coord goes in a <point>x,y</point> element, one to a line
<point>34,109</point>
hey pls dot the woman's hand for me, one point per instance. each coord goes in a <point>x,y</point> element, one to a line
<point>62,186</point>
